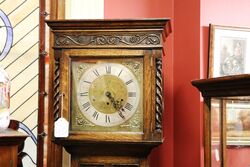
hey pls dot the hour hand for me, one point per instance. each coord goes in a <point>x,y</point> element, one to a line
<point>108,94</point>
<point>115,103</point>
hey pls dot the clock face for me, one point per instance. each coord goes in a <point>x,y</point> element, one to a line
<point>108,94</point>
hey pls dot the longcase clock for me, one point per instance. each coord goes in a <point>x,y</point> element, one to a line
<point>108,84</point>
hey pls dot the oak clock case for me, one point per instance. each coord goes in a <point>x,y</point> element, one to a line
<point>107,83</point>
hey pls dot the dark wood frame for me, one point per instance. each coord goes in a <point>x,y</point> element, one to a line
<point>10,143</point>
<point>42,92</point>
<point>229,86</point>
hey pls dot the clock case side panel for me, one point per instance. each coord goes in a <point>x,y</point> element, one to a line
<point>157,95</point>
<point>154,95</point>
<point>64,86</point>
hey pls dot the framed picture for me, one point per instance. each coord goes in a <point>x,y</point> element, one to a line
<point>229,51</point>
<point>238,122</point>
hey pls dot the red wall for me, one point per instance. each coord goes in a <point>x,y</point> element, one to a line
<point>187,115</point>
<point>238,157</point>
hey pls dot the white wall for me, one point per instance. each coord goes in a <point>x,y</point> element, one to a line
<point>84,9</point>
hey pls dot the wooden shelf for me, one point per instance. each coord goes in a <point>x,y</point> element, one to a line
<point>235,85</point>
<point>9,142</point>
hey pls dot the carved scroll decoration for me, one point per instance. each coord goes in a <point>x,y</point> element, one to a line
<point>158,95</point>
<point>81,121</point>
<point>110,40</point>
<point>56,89</point>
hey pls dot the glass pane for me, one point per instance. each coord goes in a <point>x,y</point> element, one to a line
<point>19,32</point>
<point>238,132</point>
<point>215,133</point>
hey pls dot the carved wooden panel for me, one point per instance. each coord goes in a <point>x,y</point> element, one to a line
<point>158,95</point>
<point>107,39</point>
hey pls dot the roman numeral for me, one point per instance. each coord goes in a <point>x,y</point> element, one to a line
<point>107,119</point>
<point>121,115</point>
<point>131,94</point>
<point>129,81</point>
<point>108,69</point>
<point>128,106</point>
<point>87,82</point>
<point>86,106</point>
<point>95,115</point>
<point>120,73</point>
<point>96,73</point>
<point>84,94</point>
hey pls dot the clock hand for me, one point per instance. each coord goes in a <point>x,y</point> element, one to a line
<point>115,103</point>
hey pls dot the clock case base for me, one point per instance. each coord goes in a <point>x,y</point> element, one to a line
<point>109,161</point>
<point>108,153</point>
<point>108,148</point>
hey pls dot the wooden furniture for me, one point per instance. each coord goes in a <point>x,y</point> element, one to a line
<point>226,131</point>
<point>16,126</point>
<point>9,142</point>
<point>108,84</point>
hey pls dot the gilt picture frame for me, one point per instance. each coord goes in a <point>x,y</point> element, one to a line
<point>238,122</point>
<point>236,113</point>
<point>229,51</point>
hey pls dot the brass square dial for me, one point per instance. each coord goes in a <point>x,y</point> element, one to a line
<point>107,95</point>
